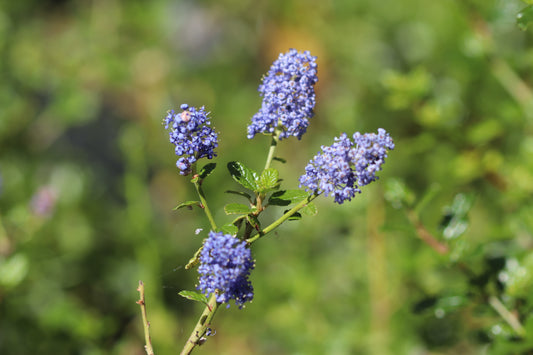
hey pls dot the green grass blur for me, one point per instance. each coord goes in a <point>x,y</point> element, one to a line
<point>88,178</point>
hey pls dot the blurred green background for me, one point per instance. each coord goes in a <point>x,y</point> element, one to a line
<point>88,178</point>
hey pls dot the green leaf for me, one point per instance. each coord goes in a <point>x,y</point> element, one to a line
<point>13,270</point>
<point>229,228</point>
<point>188,204</point>
<point>195,296</point>
<point>254,222</point>
<point>525,17</point>
<point>236,208</point>
<point>295,217</point>
<point>243,175</point>
<point>240,193</point>
<point>268,180</point>
<point>287,197</point>
<point>455,220</point>
<point>238,221</point>
<point>398,194</point>
<point>310,209</point>
<point>207,170</point>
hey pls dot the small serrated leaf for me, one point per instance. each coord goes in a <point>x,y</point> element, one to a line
<point>287,197</point>
<point>243,175</point>
<point>236,208</point>
<point>189,204</point>
<point>240,193</point>
<point>207,170</point>
<point>194,296</point>
<point>525,17</point>
<point>229,228</point>
<point>268,180</point>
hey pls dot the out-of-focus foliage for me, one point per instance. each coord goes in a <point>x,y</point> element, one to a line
<point>88,178</point>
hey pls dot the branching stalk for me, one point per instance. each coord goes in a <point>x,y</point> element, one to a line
<point>282,219</point>
<point>199,331</point>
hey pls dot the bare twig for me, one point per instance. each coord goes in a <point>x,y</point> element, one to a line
<point>146,324</point>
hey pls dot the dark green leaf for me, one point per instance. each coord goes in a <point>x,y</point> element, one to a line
<point>243,175</point>
<point>195,296</point>
<point>295,217</point>
<point>268,180</point>
<point>188,204</point>
<point>207,170</point>
<point>240,193</point>
<point>229,228</point>
<point>281,160</point>
<point>287,197</point>
<point>525,17</point>
<point>236,208</point>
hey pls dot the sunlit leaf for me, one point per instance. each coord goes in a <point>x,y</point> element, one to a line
<point>243,175</point>
<point>268,180</point>
<point>236,208</point>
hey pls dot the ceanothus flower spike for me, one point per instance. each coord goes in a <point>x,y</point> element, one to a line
<point>342,168</point>
<point>192,135</point>
<point>225,264</point>
<point>288,96</point>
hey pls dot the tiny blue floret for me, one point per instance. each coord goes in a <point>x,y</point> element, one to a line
<point>225,264</point>
<point>192,135</point>
<point>342,168</point>
<point>288,96</point>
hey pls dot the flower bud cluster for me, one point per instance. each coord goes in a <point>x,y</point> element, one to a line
<point>192,135</point>
<point>288,96</point>
<point>342,168</point>
<point>225,264</point>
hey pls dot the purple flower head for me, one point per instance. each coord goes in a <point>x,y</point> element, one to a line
<point>288,96</point>
<point>191,134</point>
<point>342,168</point>
<point>225,264</point>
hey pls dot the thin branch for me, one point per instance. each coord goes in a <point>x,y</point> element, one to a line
<point>146,324</point>
<point>198,334</point>
<point>509,317</point>
<point>425,235</point>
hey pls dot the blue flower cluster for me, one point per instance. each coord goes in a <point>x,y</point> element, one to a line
<point>225,264</point>
<point>191,134</point>
<point>288,96</point>
<point>342,168</point>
